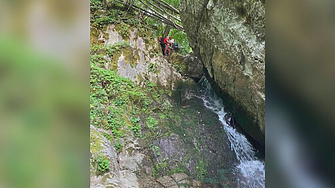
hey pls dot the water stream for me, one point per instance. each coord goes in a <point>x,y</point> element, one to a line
<point>250,171</point>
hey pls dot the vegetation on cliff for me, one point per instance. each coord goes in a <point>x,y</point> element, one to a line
<point>176,135</point>
<point>127,16</point>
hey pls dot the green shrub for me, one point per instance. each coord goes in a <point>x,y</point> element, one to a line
<point>151,122</point>
<point>103,164</point>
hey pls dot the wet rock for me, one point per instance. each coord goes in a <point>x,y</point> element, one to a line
<point>199,148</point>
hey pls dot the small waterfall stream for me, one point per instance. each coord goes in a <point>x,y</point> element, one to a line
<point>250,171</point>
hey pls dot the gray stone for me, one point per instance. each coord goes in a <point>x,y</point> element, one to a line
<point>188,65</point>
<point>229,38</point>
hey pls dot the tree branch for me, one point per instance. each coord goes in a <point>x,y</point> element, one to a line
<point>164,11</point>
<point>177,26</point>
<point>168,6</point>
<point>153,14</point>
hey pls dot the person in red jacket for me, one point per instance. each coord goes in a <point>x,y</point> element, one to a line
<point>167,45</point>
<point>166,40</point>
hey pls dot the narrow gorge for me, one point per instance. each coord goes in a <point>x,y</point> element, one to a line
<point>192,119</point>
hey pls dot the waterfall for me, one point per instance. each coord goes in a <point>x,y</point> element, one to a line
<point>250,171</point>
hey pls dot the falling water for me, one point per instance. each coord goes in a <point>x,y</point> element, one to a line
<point>250,170</point>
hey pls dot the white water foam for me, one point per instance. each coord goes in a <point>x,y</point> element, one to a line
<point>251,170</point>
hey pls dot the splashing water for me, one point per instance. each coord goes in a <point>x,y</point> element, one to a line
<point>251,170</point>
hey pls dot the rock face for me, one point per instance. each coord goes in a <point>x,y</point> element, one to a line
<point>186,146</point>
<point>229,38</point>
<point>141,60</point>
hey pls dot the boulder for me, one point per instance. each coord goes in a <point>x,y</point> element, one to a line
<point>188,65</point>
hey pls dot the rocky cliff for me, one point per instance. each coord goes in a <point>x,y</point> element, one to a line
<point>229,38</point>
<point>147,127</point>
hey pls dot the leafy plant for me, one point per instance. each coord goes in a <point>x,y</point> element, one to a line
<point>201,170</point>
<point>118,146</point>
<point>108,136</point>
<point>151,122</point>
<point>110,49</point>
<point>136,127</point>
<point>103,164</point>
<point>95,5</point>
<point>181,38</point>
<point>101,21</point>
<point>156,149</point>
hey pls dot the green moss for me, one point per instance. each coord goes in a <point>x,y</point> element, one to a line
<point>94,34</point>
<point>152,42</point>
<point>113,51</point>
<point>114,62</point>
<point>117,47</point>
<point>95,142</point>
<point>152,67</point>
<point>129,57</point>
<point>123,29</point>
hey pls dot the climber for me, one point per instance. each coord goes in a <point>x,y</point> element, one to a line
<point>168,45</point>
<point>161,42</point>
<point>166,40</point>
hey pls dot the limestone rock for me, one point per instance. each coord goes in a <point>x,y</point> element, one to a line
<point>229,38</point>
<point>141,60</point>
<point>123,168</point>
